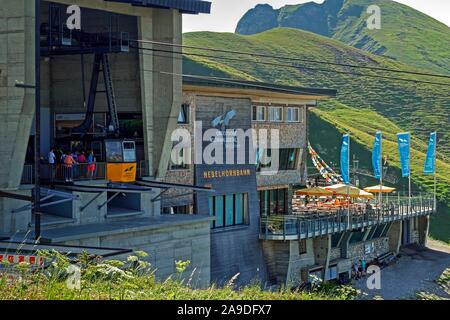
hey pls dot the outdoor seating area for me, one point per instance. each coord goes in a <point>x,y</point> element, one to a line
<point>331,199</point>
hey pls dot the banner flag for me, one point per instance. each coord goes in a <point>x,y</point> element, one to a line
<point>404,152</point>
<point>431,155</point>
<point>376,155</point>
<point>345,158</point>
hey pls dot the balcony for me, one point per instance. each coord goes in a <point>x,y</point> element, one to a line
<point>295,227</point>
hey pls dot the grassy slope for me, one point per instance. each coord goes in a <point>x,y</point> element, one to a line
<point>363,106</point>
<point>408,35</point>
<point>420,108</point>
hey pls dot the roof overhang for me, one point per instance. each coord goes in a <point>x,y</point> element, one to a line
<point>254,90</point>
<point>185,6</point>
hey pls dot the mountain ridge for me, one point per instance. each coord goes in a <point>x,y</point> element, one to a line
<point>406,35</point>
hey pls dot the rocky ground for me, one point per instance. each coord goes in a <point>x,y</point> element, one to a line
<point>415,271</point>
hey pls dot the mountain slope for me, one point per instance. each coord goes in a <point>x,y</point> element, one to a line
<point>406,35</point>
<point>420,108</point>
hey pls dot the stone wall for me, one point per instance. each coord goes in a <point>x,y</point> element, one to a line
<point>165,245</point>
<point>357,251</point>
<point>335,254</point>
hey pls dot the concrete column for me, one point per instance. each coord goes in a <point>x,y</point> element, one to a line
<point>161,87</point>
<point>344,242</point>
<point>322,250</point>
<point>16,104</point>
<point>395,236</point>
<point>424,227</point>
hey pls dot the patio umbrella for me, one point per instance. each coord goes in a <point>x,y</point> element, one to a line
<point>378,188</point>
<point>351,191</point>
<point>315,191</point>
<point>335,186</point>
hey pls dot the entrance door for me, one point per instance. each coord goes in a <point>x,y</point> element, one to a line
<point>406,232</point>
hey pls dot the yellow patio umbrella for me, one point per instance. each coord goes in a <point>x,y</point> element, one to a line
<point>378,189</point>
<point>315,191</point>
<point>351,191</point>
<point>335,186</point>
<point>364,194</point>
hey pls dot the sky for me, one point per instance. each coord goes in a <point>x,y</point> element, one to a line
<point>225,14</point>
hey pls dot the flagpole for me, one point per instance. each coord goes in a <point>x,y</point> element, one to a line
<point>409,173</point>
<point>381,168</point>
<point>348,184</point>
<point>435,155</point>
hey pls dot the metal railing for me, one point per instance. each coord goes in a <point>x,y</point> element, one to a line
<point>27,174</point>
<point>307,225</point>
<point>76,172</point>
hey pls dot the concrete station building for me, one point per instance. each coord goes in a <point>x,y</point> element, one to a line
<point>224,219</point>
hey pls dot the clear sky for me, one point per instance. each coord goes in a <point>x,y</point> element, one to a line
<point>225,14</point>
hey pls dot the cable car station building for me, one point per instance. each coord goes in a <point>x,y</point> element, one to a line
<point>102,90</point>
<point>97,93</point>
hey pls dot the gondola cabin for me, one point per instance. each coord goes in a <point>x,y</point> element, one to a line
<point>120,160</point>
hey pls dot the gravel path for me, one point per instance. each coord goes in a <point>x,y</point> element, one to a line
<point>416,270</point>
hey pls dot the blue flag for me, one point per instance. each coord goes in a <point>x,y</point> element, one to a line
<point>431,155</point>
<point>345,158</point>
<point>376,155</point>
<point>403,150</point>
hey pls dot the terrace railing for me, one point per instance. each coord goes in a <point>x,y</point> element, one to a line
<point>76,172</point>
<point>308,225</point>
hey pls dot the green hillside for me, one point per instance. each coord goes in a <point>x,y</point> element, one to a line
<point>363,105</point>
<point>406,34</point>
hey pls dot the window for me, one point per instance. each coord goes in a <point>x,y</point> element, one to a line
<point>129,151</point>
<point>186,209</point>
<point>293,114</point>
<point>331,273</point>
<point>275,114</point>
<point>183,116</point>
<point>274,201</point>
<point>259,113</point>
<point>113,149</point>
<point>288,159</point>
<point>229,210</point>
<point>302,246</point>
<point>181,161</point>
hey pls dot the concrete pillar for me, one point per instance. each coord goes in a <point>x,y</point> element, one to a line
<point>161,85</point>
<point>322,250</point>
<point>423,227</point>
<point>344,242</point>
<point>16,104</point>
<point>395,236</point>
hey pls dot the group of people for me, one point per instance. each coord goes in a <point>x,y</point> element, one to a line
<point>66,164</point>
<point>359,269</point>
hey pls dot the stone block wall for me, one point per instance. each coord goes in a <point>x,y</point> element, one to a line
<point>165,245</point>
<point>357,251</point>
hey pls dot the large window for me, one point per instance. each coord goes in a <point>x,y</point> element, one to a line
<point>293,114</point>
<point>276,114</point>
<point>181,161</point>
<point>288,158</point>
<point>259,113</point>
<point>183,116</point>
<point>229,210</point>
<point>274,201</point>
